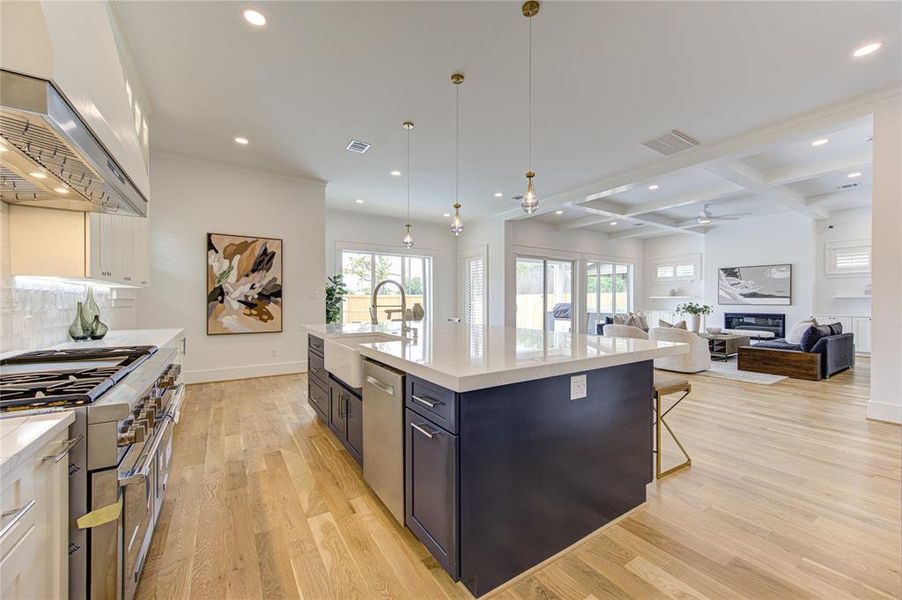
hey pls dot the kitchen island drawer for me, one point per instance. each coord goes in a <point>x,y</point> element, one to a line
<point>318,397</point>
<point>316,344</point>
<point>316,367</point>
<point>432,401</point>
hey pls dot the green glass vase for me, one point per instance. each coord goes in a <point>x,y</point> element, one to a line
<point>98,329</point>
<point>79,329</point>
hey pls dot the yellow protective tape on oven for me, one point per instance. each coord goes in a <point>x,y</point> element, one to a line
<point>101,516</point>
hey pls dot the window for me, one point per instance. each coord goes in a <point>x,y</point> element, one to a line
<point>363,270</point>
<point>684,268</point>
<point>851,257</point>
<point>474,290</point>
<point>609,290</point>
<point>544,294</point>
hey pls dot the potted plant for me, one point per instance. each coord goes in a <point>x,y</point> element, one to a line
<point>695,312</point>
<point>334,293</point>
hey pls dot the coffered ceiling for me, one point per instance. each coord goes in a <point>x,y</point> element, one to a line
<point>607,75</point>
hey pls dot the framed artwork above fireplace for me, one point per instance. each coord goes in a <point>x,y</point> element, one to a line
<point>755,285</point>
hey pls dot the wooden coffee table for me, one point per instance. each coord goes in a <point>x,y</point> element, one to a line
<point>725,345</point>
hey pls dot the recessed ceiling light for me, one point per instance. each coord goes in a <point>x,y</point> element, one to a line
<point>653,187</point>
<point>868,48</point>
<point>396,173</point>
<point>703,220</point>
<point>854,175</point>
<point>254,17</point>
<point>359,200</point>
<point>558,212</point>
<point>38,175</point>
<point>446,215</point>
<point>820,141</point>
<point>61,190</point>
<point>498,194</point>
<point>612,223</point>
<point>241,140</point>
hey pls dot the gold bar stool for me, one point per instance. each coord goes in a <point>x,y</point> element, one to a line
<point>665,384</point>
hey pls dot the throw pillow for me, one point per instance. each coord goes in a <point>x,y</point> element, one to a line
<point>835,328</point>
<point>677,325</point>
<point>795,334</point>
<point>812,335</point>
<point>643,322</point>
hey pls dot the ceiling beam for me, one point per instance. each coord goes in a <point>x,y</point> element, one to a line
<point>805,172</point>
<point>751,179</point>
<point>795,128</point>
<point>856,196</point>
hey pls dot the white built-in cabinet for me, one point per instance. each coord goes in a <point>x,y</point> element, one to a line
<point>859,326</point>
<point>71,245</point>
<point>34,530</point>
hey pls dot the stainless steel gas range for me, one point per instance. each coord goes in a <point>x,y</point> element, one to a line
<point>126,402</point>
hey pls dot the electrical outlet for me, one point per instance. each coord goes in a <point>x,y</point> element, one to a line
<point>578,387</point>
<point>273,352</point>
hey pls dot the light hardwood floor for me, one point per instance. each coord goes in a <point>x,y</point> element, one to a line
<point>792,494</point>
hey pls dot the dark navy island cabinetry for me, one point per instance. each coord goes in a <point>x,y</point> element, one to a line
<point>336,404</point>
<point>516,443</point>
<point>499,479</point>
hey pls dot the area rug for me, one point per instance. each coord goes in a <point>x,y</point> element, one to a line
<point>728,370</point>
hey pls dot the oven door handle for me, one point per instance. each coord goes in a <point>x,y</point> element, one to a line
<point>175,404</point>
<point>140,474</point>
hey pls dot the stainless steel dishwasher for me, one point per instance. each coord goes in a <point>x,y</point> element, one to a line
<point>383,434</point>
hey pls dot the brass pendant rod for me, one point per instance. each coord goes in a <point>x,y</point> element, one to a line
<point>530,93</point>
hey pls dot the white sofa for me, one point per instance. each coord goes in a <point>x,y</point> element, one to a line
<point>698,359</point>
<point>627,331</point>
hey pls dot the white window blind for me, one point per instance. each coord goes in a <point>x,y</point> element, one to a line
<point>848,258</point>
<point>685,270</point>
<point>474,291</point>
<point>664,271</point>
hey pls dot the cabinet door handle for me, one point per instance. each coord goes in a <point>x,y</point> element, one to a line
<point>428,434</point>
<point>16,514</point>
<point>67,445</point>
<point>426,402</point>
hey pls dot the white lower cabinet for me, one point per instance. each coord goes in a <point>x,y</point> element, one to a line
<point>71,245</point>
<point>35,526</point>
<point>859,326</point>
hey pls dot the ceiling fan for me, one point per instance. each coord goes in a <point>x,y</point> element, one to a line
<point>705,217</point>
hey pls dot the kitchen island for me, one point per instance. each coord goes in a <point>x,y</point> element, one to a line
<point>517,443</point>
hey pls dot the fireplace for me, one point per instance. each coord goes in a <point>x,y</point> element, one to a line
<point>774,323</point>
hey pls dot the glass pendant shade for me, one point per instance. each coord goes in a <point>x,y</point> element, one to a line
<point>408,237</point>
<point>457,223</point>
<point>530,201</point>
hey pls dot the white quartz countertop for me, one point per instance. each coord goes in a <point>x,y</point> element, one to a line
<point>463,358</point>
<point>128,337</point>
<point>20,437</point>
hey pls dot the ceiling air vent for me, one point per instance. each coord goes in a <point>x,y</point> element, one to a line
<point>848,186</point>
<point>671,142</point>
<point>357,146</point>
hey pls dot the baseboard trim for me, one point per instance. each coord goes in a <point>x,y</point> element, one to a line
<point>884,411</point>
<point>245,372</point>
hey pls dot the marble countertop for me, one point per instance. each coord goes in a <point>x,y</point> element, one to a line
<point>128,337</point>
<point>464,358</point>
<point>20,437</point>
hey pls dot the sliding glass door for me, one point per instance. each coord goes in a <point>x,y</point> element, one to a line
<point>364,270</point>
<point>545,294</point>
<point>608,291</point>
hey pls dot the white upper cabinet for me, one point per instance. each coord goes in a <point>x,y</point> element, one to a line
<point>74,44</point>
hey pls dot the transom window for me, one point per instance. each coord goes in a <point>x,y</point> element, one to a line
<point>851,257</point>
<point>684,268</point>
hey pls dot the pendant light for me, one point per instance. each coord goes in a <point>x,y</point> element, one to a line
<point>530,202</point>
<point>457,224</point>
<point>408,237</point>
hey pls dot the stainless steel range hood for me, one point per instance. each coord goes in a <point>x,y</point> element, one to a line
<point>50,158</point>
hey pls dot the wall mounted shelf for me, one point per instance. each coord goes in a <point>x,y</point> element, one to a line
<point>671,297</point>
<point>858,297</point>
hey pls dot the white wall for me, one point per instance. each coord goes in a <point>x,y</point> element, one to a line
<point>348,229</point>
<point>770,239</point>
<point>886,249</point>
<point>192,198</point>
<point>669,247</point>
<point>853,224</point>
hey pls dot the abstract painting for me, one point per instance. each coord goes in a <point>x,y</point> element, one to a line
<point>765,284</point>
<point>244,284</point>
